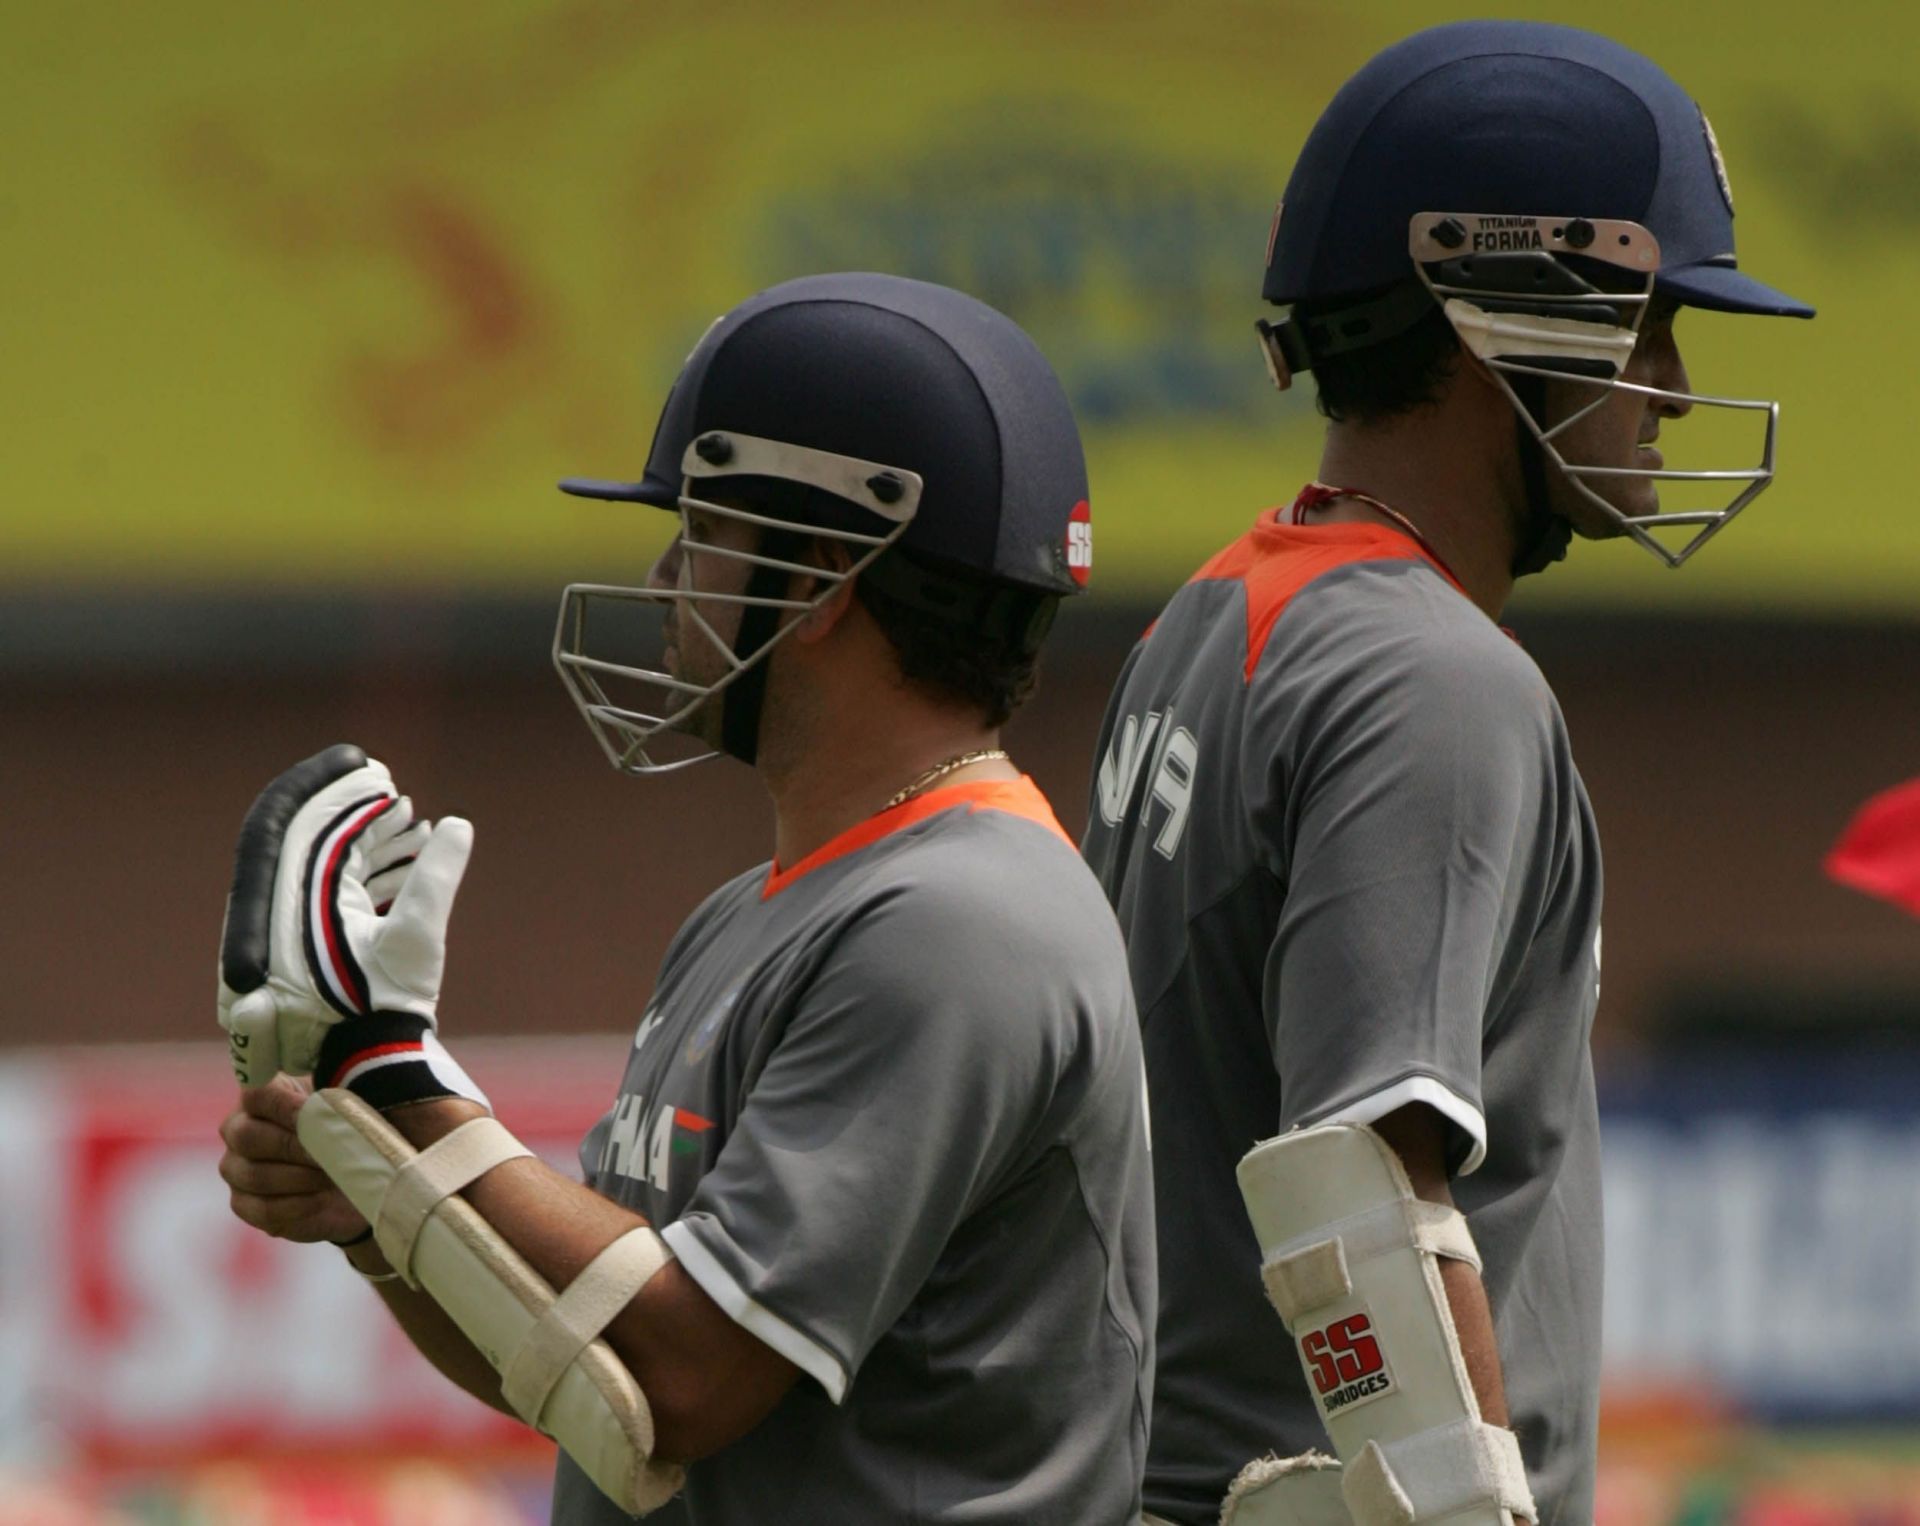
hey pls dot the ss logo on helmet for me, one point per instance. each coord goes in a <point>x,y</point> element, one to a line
<point>1080,543</point>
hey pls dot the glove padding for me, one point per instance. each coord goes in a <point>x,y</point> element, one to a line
<point>305,942</point>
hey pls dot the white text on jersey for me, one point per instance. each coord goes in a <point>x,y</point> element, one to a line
<point>620,1155</point>
<point>1172,771</point>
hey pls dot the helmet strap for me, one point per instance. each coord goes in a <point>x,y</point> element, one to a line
<point>1544,535</point>
<point>1301,340</point>
<point>742,700</point>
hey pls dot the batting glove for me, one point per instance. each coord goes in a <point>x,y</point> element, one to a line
<point>338,915</point>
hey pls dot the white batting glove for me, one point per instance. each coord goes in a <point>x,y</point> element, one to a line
<point>326,849</point>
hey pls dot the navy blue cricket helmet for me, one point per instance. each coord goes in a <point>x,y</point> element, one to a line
<point>1509,117</point>
<point>904,372</point>
<point>1540,184</point>
<point>914,424</point>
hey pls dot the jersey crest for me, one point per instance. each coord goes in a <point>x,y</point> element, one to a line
<point>702,1038</point>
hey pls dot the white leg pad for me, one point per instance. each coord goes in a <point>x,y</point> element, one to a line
<point>1436,1474</point>
<point>592,1407</point>
<point>1350,1261</point>
<point>1287,1491</point>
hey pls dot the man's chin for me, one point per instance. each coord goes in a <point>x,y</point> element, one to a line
<point>1647,503</point>
<point>1592,522</point>
<point>1599,526</point>
<point>702,723</point>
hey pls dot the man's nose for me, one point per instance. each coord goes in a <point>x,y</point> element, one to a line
<point>1670,375</point>
<point>665,572</point>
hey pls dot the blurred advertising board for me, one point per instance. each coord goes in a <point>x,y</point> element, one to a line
<point>335,304</point>
<point>281,1492</point>
<point>141,1324</point>
<point>162,1363</point>
<point>1763,1230</point>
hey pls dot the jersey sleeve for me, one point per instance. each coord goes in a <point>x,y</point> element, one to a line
<point>1402,775</point>
<point>910,1074</point>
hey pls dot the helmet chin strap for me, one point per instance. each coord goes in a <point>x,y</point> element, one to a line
<point>742,700</point>
<point>1544,535</point>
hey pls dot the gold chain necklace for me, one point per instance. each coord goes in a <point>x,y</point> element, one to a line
<point>941,770</point>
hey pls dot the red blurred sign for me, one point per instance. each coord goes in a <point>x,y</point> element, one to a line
<point>1879,852</point>
<point>140,1322</point>
<point>142,1328</point>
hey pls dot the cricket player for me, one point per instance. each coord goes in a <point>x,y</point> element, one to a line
<point>1335,805</point>
<point>866,1234</point>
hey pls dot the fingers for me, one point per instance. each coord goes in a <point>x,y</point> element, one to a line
<point>277,1102</point>
<point>307,1218</point>
<point>382,855</point>
<point>253,1036</point>
<point>416,931</point>
<point>256,1139</point>
<point>266,1179</point>
<point>273,1183</point>
<point>376,844</point>
<point>390,823</point>
<point>375,775</point>
<point>386,865</point>
<point>369,844</point>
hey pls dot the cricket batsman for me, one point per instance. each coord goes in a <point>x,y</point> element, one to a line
<point>1336,807</point>
<point>866,1232</point>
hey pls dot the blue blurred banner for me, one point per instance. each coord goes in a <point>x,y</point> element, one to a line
<point>1763,1229</point>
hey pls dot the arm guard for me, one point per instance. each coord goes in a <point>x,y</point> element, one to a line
<point>1350,1261</point>
<point>1287,1491</point>
<point>556,1373</point>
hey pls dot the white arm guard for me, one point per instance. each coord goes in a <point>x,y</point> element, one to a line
<point>1350,1261</point>
<point>557,1374</point>
<point>1287,1491</point>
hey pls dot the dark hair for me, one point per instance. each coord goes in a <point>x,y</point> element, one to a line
<point>1395,376</point>
<point>953,662</point>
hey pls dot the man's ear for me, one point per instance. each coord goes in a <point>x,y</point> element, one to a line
<point>1475,380</point>
<point>1465,364</point>
<point>817,623</point>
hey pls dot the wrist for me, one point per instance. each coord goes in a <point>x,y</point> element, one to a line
<point>391,1060</point>
<point>366,1258</point>
<point>421,1123</point>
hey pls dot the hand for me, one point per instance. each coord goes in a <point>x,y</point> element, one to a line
<point>339,908</point>
<point>272,1182</point>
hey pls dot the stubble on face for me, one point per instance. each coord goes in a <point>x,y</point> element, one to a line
<point>694,630</point>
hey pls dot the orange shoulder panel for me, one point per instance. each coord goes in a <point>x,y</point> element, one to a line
<point>1275,561</point>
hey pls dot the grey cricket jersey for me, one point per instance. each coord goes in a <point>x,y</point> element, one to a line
<point>887,1109</point>
<point>1336,810</point>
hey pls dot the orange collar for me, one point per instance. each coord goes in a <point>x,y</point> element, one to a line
<point>1276,559</point>
<point>1279,527</point>
<point>1016,797</point>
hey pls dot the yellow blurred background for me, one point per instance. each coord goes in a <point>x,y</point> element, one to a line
<point>331,295</point>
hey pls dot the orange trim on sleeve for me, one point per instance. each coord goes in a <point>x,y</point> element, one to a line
<point>1276,560</point>
<point>1016,797</point>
